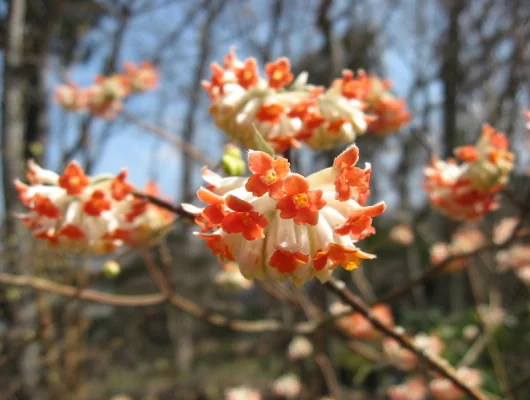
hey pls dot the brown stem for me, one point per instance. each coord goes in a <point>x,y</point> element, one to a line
<point>152,300</point>
<point>340,289</point>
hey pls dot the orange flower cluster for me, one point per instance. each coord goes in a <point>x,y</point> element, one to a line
<point>357,326</point>
<point>404,359</point>
<point>76,212</point>
<point>280,224</point>
<point>466,191</point>
<point>464,241</point>
<point>387,114</point>
<point>105,97</point>
<point>288,111</point>
<point>439,388</point>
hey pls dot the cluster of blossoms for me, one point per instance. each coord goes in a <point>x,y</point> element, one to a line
<point>280,224</point>
<point>404,359</point>
<point>439,388</point>
<point>517,257</point>
<point>91,214</point>
<point>402,235</point>
<point>242,393</point>
<point>287,386</point>
<point>105,97</point>
<point>466,191</point>
<point>357,326</point>
<point>288,111</point>
<point>299,348</point>
<point>464,241</point>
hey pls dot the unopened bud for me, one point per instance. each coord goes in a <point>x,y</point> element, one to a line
<point>232,161</point>
<point>111,269</point>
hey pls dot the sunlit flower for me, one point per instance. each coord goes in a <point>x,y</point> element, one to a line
<point>492,315</point>
<point>414,389</point>
<point>402,235</point>
<point>242,393</point>
<point>230,279</point>
<point>356,325</point>
<point>299,348</point>
<point>288,386</point>
<point>516,257</point>
<point>464,241</point>
<point>304,231</point>
<point>524,274</point>
<point>504,229</point>
<point>466,191</point>
<point>76,212</point>
<point>404,359</point>
<point>288,112</point>
<point>443,389</point>
<point>470,332</point>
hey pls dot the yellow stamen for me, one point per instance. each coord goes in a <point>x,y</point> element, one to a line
<point>301,200</point>
<point>269,177</point>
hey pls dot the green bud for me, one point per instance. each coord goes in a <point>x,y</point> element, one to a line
<point>36,148</point>
<point>234,151</point>
<point>233,166</point>
<point>111,269</point>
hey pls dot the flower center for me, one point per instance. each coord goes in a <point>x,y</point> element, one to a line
<point>246,219</point>
<point>301,200</point>
<point>269,177</point>
<point>74,181</point>
<point>277,75</point>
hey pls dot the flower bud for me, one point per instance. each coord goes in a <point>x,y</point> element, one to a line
<point>111,269</point>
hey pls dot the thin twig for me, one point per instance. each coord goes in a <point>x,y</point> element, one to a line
<point>340,289</point>
<point>186,147</point>
<point>177,209</point>
<point>329,375</point>
<point>144,300</point>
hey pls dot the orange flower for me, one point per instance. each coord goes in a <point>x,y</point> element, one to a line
<point>270,113</point>
<point>73,179</point>
<point>268,174</point>
<point>362,328</point>
<point>138,207</point>
<point>96,204</point>
<point>467,153</point>
<point>247,75</point>
<point>313,120</point>
<point>279,73</point>
<point>45,207</point>
<point>120,188</point>
<point>300,109</point>
<point>355,88</point>
<point>215,212</point>
<point>244,219</point>
<point>349,258</point>
<point>283,143</point>
<point>359,223</point>
<point>286,261</point>
<point>300,203</point>
<point>390,114</point>
<point>72,232</point>
<point>51,237</point>
<point>218,246</point>
<point>335,125</point>
<point>351,180</point>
